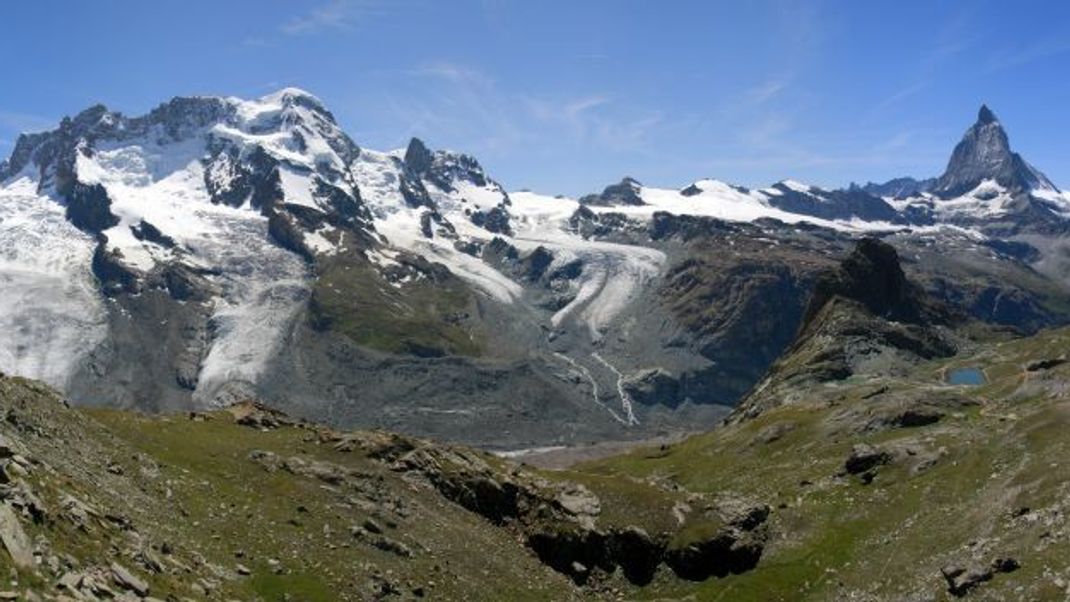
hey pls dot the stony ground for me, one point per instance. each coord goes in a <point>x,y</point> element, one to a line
<point>248,504</point>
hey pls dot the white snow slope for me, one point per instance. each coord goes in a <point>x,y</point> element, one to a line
<point>51,312</point>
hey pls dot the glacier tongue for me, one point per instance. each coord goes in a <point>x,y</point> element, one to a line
<point>263,289</point>
<point>51,312</point>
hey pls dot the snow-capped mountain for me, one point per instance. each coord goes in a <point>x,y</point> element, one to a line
<point>985,155</point>
<point>986,186</point>
<point>220,248</point>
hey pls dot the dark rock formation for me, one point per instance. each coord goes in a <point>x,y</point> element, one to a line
<point>899,188</point>
<point>872,276</point>
<point>653,386</point>
<point>864,458</point>
<point>835,204</point>
<point>963,578</point>
<point>89,208</point>
<point>625,192</point>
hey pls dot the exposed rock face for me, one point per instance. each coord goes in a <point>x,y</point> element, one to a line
<point>899,188</point>
<point>864,458</point>
<point>963,578</point>
<point>15,539</point>
<point>450,172</point>
<point>559,522</point>
<point>89,208</point>
<point>736,549</point>
<point>872,276</point>
<point>863,316</point>
<point>836,204</point>
<point>626,192</point>
<point>653,386</point>
<point>985,154</point>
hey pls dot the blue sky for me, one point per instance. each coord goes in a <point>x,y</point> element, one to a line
<point>564,97</point>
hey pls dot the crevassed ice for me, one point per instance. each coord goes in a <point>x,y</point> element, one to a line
<point>51,314</point>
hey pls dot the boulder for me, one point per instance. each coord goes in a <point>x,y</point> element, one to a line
<point>865,457</point>
<point>128,581</point>
<point>16,541</point>
<point>653,386</point>
<point>963,577</point>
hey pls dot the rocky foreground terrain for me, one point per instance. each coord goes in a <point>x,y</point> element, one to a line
<point>854,471</point>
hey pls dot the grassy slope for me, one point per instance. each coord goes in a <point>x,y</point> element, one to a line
<point>192,485</point>
<point>420,316</point>
<point>837,538</point>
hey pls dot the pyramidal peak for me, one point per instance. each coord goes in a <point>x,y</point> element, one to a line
<point>985,154</point>
<point>985,116</point>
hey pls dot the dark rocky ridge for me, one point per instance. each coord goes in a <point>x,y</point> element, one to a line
<point>863,316</point>
<point>871,275</point>
<point>625,192</point>
<point>836,204</point>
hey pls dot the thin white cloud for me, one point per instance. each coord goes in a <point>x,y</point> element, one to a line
<point>900,95</point>
<point>765,91</point>
<point>766,131</point>
<point>1038,50</point>
<point>453,73</point>
<point>959,34</point>
<point>336,14</point>
<point>458,102</point>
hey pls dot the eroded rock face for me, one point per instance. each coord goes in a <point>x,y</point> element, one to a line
<point>863,317</point>
<point>653,386</point>
<point>626,192</point>
<point>962,578</point>
<point>864,458</point>
<point>559,521</point>
<point>872,276</point>
<point>735,547</point>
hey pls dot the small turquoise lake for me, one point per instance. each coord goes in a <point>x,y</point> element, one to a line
<point>966,376</point>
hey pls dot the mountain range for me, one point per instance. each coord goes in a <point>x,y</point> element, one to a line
<point>217,250</point>
<point>271,357</point>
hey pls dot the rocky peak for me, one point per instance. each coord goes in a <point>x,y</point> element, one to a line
<point>625,192</point>
<point>418,157</point>
<point>444,168</point>
<point>985,116</point>
<point>985,154</point>
<point>184,113</point>
<point>870,275</point>
<point>898,188</point>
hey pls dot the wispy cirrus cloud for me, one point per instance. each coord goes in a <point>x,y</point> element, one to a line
<point>1045,48</point>
<point>461,103</point>
<point>900,95</point>
<point>334,15</point>
<point>452,72</point>
<point>960,34</point>
<point>766,91</point>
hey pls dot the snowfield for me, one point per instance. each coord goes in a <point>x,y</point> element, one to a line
<point>262,286</point>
